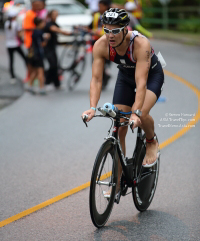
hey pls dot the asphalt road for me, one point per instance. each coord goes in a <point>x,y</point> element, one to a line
<point>45,150</point>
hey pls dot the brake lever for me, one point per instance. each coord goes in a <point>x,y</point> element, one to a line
<point>84,118</point>
<point>131,126</point>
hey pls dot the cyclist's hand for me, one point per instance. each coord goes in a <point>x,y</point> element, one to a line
<point>136,120</point>
<point>90,113</point>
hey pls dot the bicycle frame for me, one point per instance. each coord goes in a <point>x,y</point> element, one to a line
<point>128,165</point>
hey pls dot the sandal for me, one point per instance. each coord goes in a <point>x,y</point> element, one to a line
<point>152,164</point>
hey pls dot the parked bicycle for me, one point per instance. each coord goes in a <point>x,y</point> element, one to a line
<point>73,58</point>
<point>104,178</point>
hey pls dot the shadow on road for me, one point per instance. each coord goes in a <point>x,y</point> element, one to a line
<point>149,225</point>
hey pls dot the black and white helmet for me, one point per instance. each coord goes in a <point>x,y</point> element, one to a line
<point>116,16</point>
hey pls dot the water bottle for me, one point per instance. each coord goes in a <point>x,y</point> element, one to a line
<point>110,109</point>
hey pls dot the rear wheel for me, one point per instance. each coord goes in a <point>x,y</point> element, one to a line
<point>72,80</point>
<point>68,56</point>
<point>144,190</point>
<point>104,179</point>
<point>77,69</point>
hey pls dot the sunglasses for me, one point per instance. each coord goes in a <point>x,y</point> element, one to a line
<point>113,31</point>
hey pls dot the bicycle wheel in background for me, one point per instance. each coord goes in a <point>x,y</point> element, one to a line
<point>104,179</point>
<point>68,56</point>
<point>78,68</point>
<point>144,191</point>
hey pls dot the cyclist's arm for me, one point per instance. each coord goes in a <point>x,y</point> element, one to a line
<point>142,55</point>
<point>97,72</point>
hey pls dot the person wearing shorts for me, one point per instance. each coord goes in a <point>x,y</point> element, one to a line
<point>36,55</point>
<point>139,82</point>
<point>28,27</point>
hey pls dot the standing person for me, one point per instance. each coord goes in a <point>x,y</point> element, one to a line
<point>50,50</point>
<point>134,23</point>
<point>12,31</point>
<point>139,82</point>
<point>43,12</point>
<point>97,28</point>
<point>36,55</point>
<point>93,5</point>
<point>29,26</point>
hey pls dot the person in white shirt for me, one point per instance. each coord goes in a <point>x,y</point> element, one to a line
<point>13,42</point>
<point>93,5</point>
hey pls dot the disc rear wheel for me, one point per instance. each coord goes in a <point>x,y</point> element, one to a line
<point>145,185</point>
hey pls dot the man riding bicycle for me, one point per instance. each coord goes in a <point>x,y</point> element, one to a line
<point>139,82</point>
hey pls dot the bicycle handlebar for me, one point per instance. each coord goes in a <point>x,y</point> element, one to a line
<point>107,112</point>
<point>84,118</point>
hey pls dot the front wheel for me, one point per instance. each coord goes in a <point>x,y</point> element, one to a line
<point>146,181</point>
<point>104,179</point>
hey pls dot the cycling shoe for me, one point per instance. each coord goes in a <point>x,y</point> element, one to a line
<point>117,197</point>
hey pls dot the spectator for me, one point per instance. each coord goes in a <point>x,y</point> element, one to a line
<point>97,28</point>
<point>29,26</point>
<point>134,23</point>
<point>50,50</point>
<point>36,55</point>
<point>43,12</point>
<point>93,5</point>
<point>12,31</point>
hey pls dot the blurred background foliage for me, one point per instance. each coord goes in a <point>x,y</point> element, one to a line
<point>181,15</point>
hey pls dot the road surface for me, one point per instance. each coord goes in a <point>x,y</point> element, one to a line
<point>46,150</point>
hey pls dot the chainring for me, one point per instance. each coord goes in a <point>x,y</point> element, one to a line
<point>123,185</point>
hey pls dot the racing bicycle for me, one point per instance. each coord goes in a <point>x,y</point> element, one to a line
<point>141,180</point>
<point>73,58</point>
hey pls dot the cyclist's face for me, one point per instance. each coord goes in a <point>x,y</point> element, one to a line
<point>113,39</point>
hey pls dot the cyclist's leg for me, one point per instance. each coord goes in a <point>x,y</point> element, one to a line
<point>122,137</point>
<point>123,99</point>
<point>148,127</point>
<point>154,87</point>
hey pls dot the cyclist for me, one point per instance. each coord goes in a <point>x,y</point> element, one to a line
<point>139,82</point>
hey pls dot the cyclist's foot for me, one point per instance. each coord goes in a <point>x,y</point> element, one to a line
<point>152,153</point>
<point>107,193</point>
<point>117,195</point>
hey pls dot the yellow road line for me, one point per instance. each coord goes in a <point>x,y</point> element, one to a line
<point>78,189</point>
